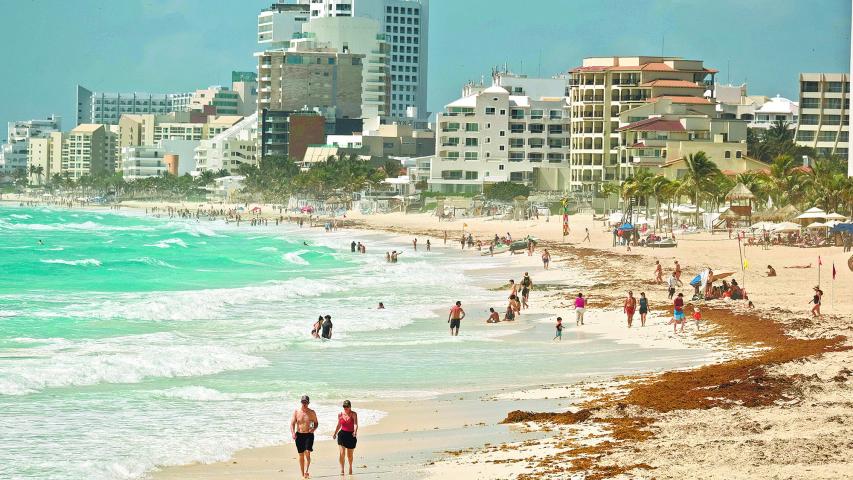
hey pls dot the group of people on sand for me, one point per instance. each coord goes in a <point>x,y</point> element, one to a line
<point>304,423</point>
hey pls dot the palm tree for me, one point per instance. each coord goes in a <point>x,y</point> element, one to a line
<point>658,185</point>
<point>608,190</point>
<point>699,176</point>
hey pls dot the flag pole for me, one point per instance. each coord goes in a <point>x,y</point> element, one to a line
<point>742,269</point>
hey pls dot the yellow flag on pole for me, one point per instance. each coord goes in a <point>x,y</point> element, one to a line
<point>745,264</point>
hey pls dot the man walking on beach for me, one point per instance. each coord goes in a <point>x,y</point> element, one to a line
<point>586,238</point>
<point>677,272</point>
<point>454,318</point>
<point>629,307</point>
<point>302,427</point>
<point>658,272</point>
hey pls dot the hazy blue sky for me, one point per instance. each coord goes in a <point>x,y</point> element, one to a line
<point>181,45</point>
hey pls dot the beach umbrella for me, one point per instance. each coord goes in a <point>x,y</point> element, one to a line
<point>812,213</point>
<point>835,216</point>
<point>762,226</point>
<point>786,227</point>
<point>816,225</point>
<point>740,192</point>
<point>721,274</point>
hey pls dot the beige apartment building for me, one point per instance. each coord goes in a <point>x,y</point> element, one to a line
<point>47,154</point>
<point>825,113</point>
<point>315,78</point>
<point>604,87</point>
<point>88,149</point>
<point>492,136</point>
<point>656,133</point>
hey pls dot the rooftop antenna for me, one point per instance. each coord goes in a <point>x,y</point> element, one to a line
<point>539,74</point>
<point>522,66</point>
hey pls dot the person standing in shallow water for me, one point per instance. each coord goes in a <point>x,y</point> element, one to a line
<point>454,318</point>
<point>429,245</point>
<point>327,327</point>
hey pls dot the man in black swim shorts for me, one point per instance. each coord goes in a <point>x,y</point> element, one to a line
<point>302,427</point>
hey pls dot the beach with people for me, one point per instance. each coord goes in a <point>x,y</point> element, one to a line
<point>560,410</point>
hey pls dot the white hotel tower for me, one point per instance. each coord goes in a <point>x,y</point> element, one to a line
<point>405,25</point>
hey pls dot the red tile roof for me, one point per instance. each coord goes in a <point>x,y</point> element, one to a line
<point>654,125</point>
<point>671,83</point>
<point>680,99</point>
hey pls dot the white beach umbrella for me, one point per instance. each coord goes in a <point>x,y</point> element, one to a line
<point>816,225</point>
<point>786,227</point>
<point>835,216</point>
<point>813,212</point>
<point>762,226</point>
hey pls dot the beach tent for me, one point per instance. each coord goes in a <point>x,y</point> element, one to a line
<point>843,228</point>
<point>615,218</point>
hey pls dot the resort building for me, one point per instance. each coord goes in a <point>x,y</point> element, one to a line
<point>45,155</point>
<point>760,111</point>
<point>519,84</point>
<point>360,36</point>
<point>278,23</point>
<point>174,157</point>
<point>294,79</point>
<point>88,149</point>
<point>14,153</point>
<point>405,24</point>
<point>107,108</point>
<point>241,99</point>
<point>229,149</point>
<point>492,136</point>
<point>659,133</point>
<point>605,87</point>
<point>146,130</point>
<point>825,113</point>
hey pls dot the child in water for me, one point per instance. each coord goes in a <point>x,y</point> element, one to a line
<point>559,334</point>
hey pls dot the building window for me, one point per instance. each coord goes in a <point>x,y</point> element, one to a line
<point>490,111</point>
<point>470,155</point>
<point>471,175</point>
<point>727,154</point>
<point>472,127</point>
<point>805,135</point>
<point>738,154</point>
<point>536,128</point>
<point>471,142</point>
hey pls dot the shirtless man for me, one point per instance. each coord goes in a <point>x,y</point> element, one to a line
<point>629,307</point>
<point>677,271</point>
<point>454,318</point>
<point>302,427</point>
<point>658,272</point>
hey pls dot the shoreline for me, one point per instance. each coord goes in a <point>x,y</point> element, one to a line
<point>600,442</point>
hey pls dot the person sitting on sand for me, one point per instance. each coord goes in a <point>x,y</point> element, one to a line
<point>771,272</point>
<point>493,316</point>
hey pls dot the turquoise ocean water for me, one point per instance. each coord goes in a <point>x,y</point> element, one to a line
<point>128,342</point>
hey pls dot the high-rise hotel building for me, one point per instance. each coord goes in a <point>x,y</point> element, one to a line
<point>825,113</point>
<point>604,87</point>
<point>405,25</point>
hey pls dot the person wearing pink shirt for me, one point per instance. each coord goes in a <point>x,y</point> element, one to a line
<point>580,307</point>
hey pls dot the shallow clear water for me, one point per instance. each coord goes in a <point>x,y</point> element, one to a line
<point>128,342</point>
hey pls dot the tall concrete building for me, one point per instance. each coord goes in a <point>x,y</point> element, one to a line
<point>45,152</point>
<point>604,87</point>
<point>295,79</point>
<point>359,36</point>
<point>825,113</point>
<point>492,136</point>
<point>405,24</point>
<point>107,108</point>
<point>13,154</point>
<point>278,23</point>
<point>288,133</point>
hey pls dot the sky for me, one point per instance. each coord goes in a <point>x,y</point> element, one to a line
<point>163,46</point>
